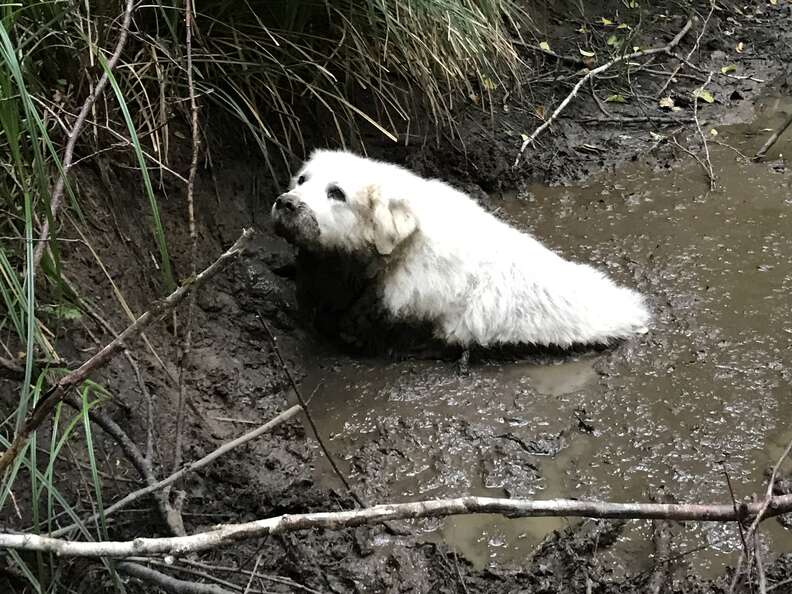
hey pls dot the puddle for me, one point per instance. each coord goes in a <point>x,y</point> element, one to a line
<point>708,389</point>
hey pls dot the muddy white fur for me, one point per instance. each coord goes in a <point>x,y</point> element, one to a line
<point>445,260</point>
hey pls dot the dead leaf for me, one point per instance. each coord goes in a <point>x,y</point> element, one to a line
<point>728,68</point>
<point>704,95</point>
<point>586,53</point>
<point>545,46</point>
<point>739,47</point>
<point>616,99</point>
<point>666,103</point>
<point>605,21</point>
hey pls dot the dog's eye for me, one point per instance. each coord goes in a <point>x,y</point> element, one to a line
<point>301,180</point>
<point>336,193</point>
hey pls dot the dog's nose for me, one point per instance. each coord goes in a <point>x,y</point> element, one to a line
<point>287,202</point>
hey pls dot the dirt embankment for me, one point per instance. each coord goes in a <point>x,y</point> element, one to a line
<point>234,375</point>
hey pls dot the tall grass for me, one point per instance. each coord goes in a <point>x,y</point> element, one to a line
<point>291,72</point>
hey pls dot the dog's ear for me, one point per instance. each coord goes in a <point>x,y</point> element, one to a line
<point>392,221</point>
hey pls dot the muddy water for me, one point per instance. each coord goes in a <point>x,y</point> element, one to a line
<point>707,391</point>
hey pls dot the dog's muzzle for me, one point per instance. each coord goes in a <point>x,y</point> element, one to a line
<point>286,203</point>
<point>294,221</point>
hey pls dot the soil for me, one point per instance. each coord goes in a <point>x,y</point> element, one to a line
<point>658,413</point>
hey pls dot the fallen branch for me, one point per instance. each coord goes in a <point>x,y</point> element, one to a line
<point>666,49</point>
<point>511,508</point>
<point>773,139</point>
<point>58,391</point>
<point>192,467</point>
<point>169,583</point>
<point>68,154</point>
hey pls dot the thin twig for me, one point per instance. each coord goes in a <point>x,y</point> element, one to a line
<point>592,73</point>
<point>308,416</point>
<point>169,583</point>
<point>58,391</point>
<point>708,168</point>
<point>224,535</point>
<point>184,359</point>
<point>192,467</point>
<point>690,53</point>
<point>132,453</point>
<point>68,155</point>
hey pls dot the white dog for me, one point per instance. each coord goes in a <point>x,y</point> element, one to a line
<point>447,261</point>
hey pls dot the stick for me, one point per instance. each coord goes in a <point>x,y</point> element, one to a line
<point>592,73</point>
<point>773,139</point>
<point>224,535</point>
<point>308,416</point>
<point>690,53</point>
<point>208,459</point>
<point>57,392</point>
<point>187,345</point>
<point>68,155</point>
<point>168,583</point>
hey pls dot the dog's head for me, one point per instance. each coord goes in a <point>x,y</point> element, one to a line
<point>340,201</point>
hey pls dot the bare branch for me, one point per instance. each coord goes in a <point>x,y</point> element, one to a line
<point>224,535</point>
<point>192,467</point>
<point>598,70</point>
<point>168,583</point>
<point>57,392</point>
<point>68,155</point>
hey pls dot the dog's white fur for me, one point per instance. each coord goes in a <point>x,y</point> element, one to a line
<point>478,280</point>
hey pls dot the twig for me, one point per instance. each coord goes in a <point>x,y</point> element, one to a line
<point>192,467</point>
<point>512,508</point>
<point>187,345</point>
<point>592,73</point>
<point>773,139</point>
<point>760,573</point>
<point>708,168</point>
<point>169,583</point>
<point>57,392</point>
<point>690,53</point>
<point>68,155</point>
<point>132,453</point>
<point>308,416</point>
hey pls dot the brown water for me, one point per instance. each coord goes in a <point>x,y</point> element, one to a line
<point>707,389</point>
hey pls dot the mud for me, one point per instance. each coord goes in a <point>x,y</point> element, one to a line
<point>706,391</point>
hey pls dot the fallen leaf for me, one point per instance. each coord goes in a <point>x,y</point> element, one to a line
<point>605,21</point>
<point>545,46</point>
<point>616,99</point>
<point>739,48</point>
<point>773,2</point>
<point>713,132</point>
<point>613,40</point>
<point>623,26</point>
<point>586,53</point>
<point>728,68</point>
<point>704,95</point>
